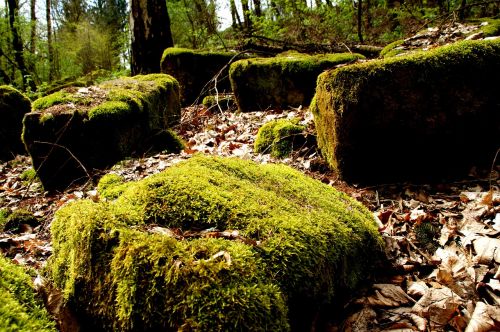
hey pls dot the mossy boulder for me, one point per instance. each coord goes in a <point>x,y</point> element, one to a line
<point>13,106</point>
<point>280,82</point>
<point>74,131</point>
<point>211,244</point>
<point>422,117</point>
<point>20,307</point>
<point>280,137</point>
<point>16,221</point>
<point>195,69</point>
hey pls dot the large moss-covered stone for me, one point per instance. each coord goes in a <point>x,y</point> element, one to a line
<point>20,308</point>
<point>195,69</point>
<point>74,131</point>
<point>280,82</point>
<point>150,258</point>
<point>421,117</point>
<point>13,106</point>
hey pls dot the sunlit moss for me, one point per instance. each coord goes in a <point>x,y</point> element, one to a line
<point>287,80</point>
<point>20,308</point>
<point>301,242</point>
<point>279,138</point>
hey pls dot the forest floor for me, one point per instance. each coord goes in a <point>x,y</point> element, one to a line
<point>441,240</point>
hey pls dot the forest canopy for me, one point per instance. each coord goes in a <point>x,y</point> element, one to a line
<point>53,42</point>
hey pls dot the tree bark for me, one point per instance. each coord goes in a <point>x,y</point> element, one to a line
<point>50,46</point>
<point>33,26</point>
<point>246,14</point>
<point>360,20</point>
<point>151,35</point>
<point>234,15</point>
<point>257,8</point>
<point>17,43</point>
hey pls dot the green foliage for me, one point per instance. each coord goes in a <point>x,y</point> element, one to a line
<point>20,309</point>
<point>300,243</point>
<point>279,137</point>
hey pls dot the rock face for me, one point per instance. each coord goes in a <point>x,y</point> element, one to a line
<point>20,308</point>
<point>13,106</point>
<point>283,81</point>
<point>74,131</point>
<point>421,117</point>
<point>211,244</point>
<point>195,69</point>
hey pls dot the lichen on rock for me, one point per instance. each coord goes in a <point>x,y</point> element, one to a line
<point>211,244</point>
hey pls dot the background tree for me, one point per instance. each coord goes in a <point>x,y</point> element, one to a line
<point>151,35</point>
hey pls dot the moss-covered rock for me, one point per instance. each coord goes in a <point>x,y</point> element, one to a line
<point>225,101</point>
<point>20,308</point>
<point>283,81</point>
<point>16,221</point>
<point>13,106</point>
<point>279,138</point>
<point>151,258</point>
<point>194,70</point>
<point>392,49</point>
<point>74,131</point>
<point>425,117</point>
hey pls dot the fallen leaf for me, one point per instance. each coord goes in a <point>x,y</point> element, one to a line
<point>438,305</point>
<point>487,250</point>
<point>482,320</point>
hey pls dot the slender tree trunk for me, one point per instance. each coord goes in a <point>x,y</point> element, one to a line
<point>33,26</point>
<point>360,20</point>
<point>17,43</point>
<point>461,11</point>
<point>234,15</point>
<point>151,35</point>
<point>50,45</point>
<point>246,14</point>
<point>257,8</point>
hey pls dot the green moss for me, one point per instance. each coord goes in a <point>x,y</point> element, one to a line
<point>300,242</point>
<point>4,213</point>
<point>414,100</point>
<point>492,28</point>
<point>280,82</point>
<point>20,308</point>
<point>14,220</point>
<point>391,49</point>
<point>111,186</point>
<point>279,137</point>
<point>60,97</point>
<point>225,101</point>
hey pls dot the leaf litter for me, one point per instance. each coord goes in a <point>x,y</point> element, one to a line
<point>442,241</point>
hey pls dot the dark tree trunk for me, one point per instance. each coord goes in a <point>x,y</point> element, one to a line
<point>461,11</point>
<point>33,26</point>
<point>246,14</point>
<point>360,20</point>
<point>234,15</point>
<point>17,43</point>
<point>50,46</point>
<point>151,35</point>
<point>257,8</point>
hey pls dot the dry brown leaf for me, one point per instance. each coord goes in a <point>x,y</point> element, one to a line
<point>487,250</point>
<point>388,295</point>
<point>418,288</point>
<point>482,320</point>
<point>438,305</point>
<point>360,321</point>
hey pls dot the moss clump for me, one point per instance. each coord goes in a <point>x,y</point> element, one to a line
<point>95,127</point>
<point>287,80</point>
<point>195,69</point>
<point>279,137</point>
<point>20,308</point>
<point>13,106</point>
<point>418,105</point>
<point>111,186</point>
<point>226,101</point>
<point>391,49</point>
<point>296,243</point>
<point>15,221</point>
<point>491,28</point>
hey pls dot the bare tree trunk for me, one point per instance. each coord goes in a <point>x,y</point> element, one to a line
<point>50,46</point>
<point>257,8</point>
<point>246,14</point>
<point>33,26</point>
<point>17,43</point>
<point>235,17</point>
<point>151,35</point>
<point>360,20</point>
<point>461,11</point>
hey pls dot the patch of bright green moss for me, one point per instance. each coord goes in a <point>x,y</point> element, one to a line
<point>408,102</point>
<point>300,243</point>
<point>492,28</point>
<point>390,50</point>
<point>20,308</point>
<point>59,97</point>
<point>279,137</point>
